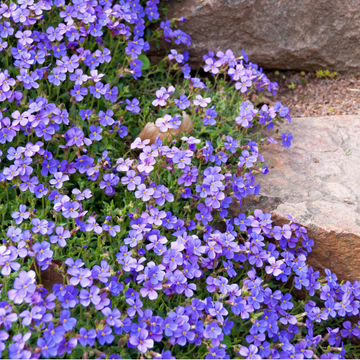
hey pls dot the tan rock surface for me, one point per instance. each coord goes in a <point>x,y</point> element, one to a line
<point>317,182</point>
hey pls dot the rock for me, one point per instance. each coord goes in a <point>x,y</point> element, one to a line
<point>317,182</point>
<point>152,132</point>
<point>298,35</point>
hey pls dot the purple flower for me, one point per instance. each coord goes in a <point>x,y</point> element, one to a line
<point>216,353</point>
<point>85,194</point>
<point>279,232</point>
<point>85,114</point>
<point>244,84</point>
<point>256,298</point>
<point>212,249</point>
<point>97,90</point>
<point>6,260</point>
<point>58,180</point>
<point>282,110</point>
<point>199,101</point>
<point>55,334</point>
<point>60,237</point>
<point>285,302</point>
<point>7,319</point>
<point>274,267</point>
<point>286,139</point>
<point>331,278</point>
<point>242,222</point>
<point>13,234</point>
<point>133,238</point>
<point>131,180</point>
<point>220,158</point>
<point>75,136</point>
<point>111,94</point>
<point>144,193</point>
<point>109,182</point>
<point>105,56</point>
<point>149,290</point>
<point>183,102</point>
<point>87,337</point>
<point>210,115</point>
<point>70,209</point>
<point>56,77</point>
<point>175,56</point>
<point>67,345</point>
<point>229,268</point>
<point>61,116</point>
<point>182,158</point>
<point>161,96</point>
<point>250,352</point>
<point>204,215</point>
<point>80,276</point>
<point>23,286</point>
<point>20,215</point>
<point>94,132</point>
<point>212,66</point>
<point>105,336</point>
<point>184,334</point>
<point>236,72</point>
<point>90,296</point>
<point>247,159</point>
<point>67,321</point>
<point>20,251</point>
<point>101,272</point>
<point>79,78</point>
<point>93,225</point>
<point>156,216</point>
<point>6,135</point>
<point>42,251</point>
<point>112,230</point>
<point>40,191</point>
<point>135,307</point>
<point>49,166</point>
<point>122,131</point>
<point>142,341</point>
<point>164,123</point>
<point>172,258</point>
<point>133,105</point>
<point>133,50</point>
<point>112,316</point>
<point>212,331</point>
<point>78,92</point>
<point>218,311</point>
<point>47,350</point>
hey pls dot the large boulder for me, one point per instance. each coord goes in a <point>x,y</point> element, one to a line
<point>292,34</point>
<point>317,182</point>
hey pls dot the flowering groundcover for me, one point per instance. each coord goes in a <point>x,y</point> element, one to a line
<point>117,248</point>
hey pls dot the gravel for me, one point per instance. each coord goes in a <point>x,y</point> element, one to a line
<point>312,96</point>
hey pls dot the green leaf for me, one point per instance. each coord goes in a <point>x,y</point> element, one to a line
<point>146,62</point>
<point>227,341</point>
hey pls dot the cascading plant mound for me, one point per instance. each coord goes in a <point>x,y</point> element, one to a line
<point>115,245</point>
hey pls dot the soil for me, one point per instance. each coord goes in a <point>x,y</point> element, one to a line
<point>50,276</point>
<point>308,95</point>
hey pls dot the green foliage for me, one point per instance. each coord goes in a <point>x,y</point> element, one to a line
<point>326,74</point>
<point>291,86</point>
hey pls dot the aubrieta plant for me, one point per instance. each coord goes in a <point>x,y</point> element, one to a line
<point>116,247</point>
